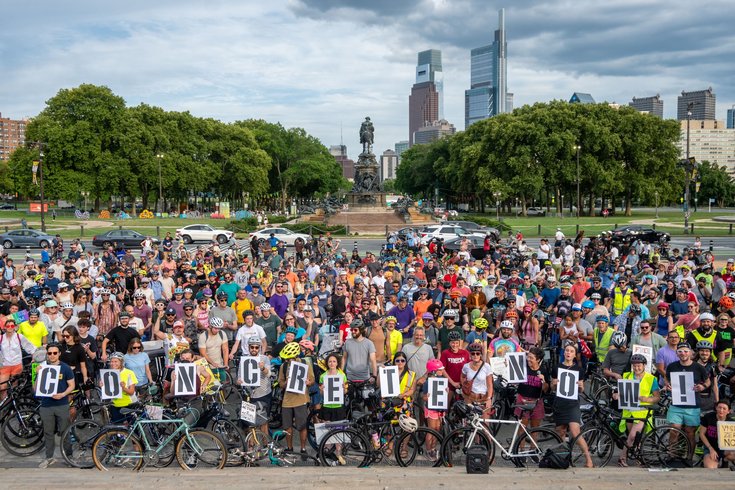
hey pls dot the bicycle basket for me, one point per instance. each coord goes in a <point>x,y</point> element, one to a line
<point>189,415</point>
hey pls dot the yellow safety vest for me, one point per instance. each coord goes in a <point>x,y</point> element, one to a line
<point>711,337</point>
<point>646,385</point>
<point>603,346</point>
<point>622,301</point>
<point>407,382</point>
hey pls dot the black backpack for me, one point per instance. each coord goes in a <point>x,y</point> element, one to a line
<point>557,458</point>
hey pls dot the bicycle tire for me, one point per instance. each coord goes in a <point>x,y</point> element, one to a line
<point>231,400</point>
<point>454,447</point>
<point>544,439</point>
<point>311,421</point>
<point>657,449</point>
<point>22,433</point>
<point>232,436</point>
<point>348,443</point>
<point>208,451</point>
<point>76,443</point>
<point>256,444</point>
<point>414,448</point>
<point>106,451</point>
<point>600,444</point>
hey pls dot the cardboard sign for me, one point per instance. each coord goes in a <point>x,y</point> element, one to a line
<point>110,379</point>
<point>682,389</point>
<point>629,391</point>
<point>726,435</point>
<point>298,373</point>
<point>250,371</point>
<point>390,384</point>
<point>186,379</point>
<point>334,390</point>
<point>517,368</point>
<point>155,412</point>
<point>47,381</point>
<point>647,352</point>
<point>500,367</point>
<point>248,412</point>
<point>567,386</point>
<point>322,429</point>
<point>438,394</point>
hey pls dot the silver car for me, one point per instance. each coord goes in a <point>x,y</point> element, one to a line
<point>26,237</point>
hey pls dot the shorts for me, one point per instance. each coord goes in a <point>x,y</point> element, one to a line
<point>262,408</point>
<point>433,414</point>
<point>295,417</point>
<point>333,414</point>
<point>688,417</point>
<point>11,370</point>
<point>220,374</point>
<point>536,414</point>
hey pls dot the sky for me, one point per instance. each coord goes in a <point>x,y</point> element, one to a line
<point>326,64</point>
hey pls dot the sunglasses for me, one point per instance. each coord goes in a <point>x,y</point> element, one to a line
<point>475,353</point>
<point>355,329</point>
<point>66,336</point>
<point>401,361</point>
<point>136,347</point>
<point>53,353</point>
<point>188,309</point>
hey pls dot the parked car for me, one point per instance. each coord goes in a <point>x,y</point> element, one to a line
<point>628,233</point>
<point>476,249</point>
<point>126,238</point>
<point>283,234</point>
<point>534,212</point>
<point>473,227</point>
<point>447,232</point>
<point>402,234</point>
<point>26,237</point>
<point>204,233</point>
<point>5,206</point>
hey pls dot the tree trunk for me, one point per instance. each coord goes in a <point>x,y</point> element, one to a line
<point>592,204</point>
<point>523,205</point>
<point>628,203</point>
<point>97,204</point>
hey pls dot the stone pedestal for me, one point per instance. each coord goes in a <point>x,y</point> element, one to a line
<point>361,201</point>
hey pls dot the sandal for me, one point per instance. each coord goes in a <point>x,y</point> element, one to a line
<point>622,463</point>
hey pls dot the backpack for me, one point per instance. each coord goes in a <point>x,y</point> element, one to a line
<point>556,458</point>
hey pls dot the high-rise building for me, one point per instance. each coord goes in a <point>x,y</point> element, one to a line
<point>488,93</point>
<point>434,131</point>
<point>400,147</point>
<point>426,99</point>
<point>12,136</point>
<point>581,98</point>
<point>388,165</point>
<point>709,140</point>
<point>652,105</point>
<point>700,103</point>
<point>339,152</point>
<point>731,118</point>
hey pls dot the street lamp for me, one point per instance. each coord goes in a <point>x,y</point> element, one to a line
<point>85,195</point>
<point>497,195</point>
<point>688,168</point>
<point>159,205</point>
<point>656,204</point>
<point>578,148</point>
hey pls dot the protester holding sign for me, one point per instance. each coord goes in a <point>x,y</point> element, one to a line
<point>333,384</point>
<point>12,345</point>
<point>477,378</point>
<point>261,394</point>
<point>648,395</point>
<point>434,397</point>
<point>406,377</point>
<point>530,392</point>
<point>568,381</point>
<point>127,383</point>
<point>295,376</point>
<point>708,434</point>
<point>52,390</point>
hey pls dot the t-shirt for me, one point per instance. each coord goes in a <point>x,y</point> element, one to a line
<point>65,374</point>
<point>357,367</point>
<point>700,376</point>
<point>270,327</point>
<point>128,377</point>
<point>453,363</point>
<point>501,346</point>
<point>617,361</point>
<point>213,346</point>
<point>34,333</point>
<point>73,355</point>
<point>533,386</point>
<point>173,346</point>
<point>417,357</point>
<point>321,382</point>
<point>120,337</point>
<point>137,363</point>
<point>709,422</point>
<point>245,332</point>
<point>479,383</point>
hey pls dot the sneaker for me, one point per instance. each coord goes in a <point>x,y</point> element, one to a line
<point>47,462</point>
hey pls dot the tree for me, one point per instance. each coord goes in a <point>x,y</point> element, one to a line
<point>716,183</point>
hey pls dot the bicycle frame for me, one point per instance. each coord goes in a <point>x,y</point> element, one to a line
<point>478,425</point>
<point>139,431</point>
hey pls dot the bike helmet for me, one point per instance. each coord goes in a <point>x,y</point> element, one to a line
<point>179,291</point>
<point>434,365</point>
<point>34,312</point>
<point>506,324</point>
<point>638,358</point>
<point>475,347</point>
<point>618,339</point>
<point>117,355</point>
<point>67,306</point>
<point>511,313</point>
<point>139,295</point>
<point>391,319</point>
<point>265,306</point>
<point>188,290</point>
<point>635,309</point>
<point>408,423</point>
<point>254,340</point>
<point>706,316</point>
<point>588,304</point>
<point>292,330</point>
<point>704,344</point>
<point>290,351</point>
<point>726,302</point>
<point>731,294</point>
<point>449,313</point>
<point>222,295</point>
<point>216,322</point>
<point>307,344</point>
<point>357,323</point>
<point>481,323</point>
<point>454,336</point>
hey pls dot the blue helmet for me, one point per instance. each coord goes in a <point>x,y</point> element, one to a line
<point>588,304</point>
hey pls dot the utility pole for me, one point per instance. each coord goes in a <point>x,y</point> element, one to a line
<point>40,145</point>
<point>578,148</point>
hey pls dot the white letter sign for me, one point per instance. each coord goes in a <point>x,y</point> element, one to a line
<point>517,369</point>
<point>438,394</point>
<point>250,371</point>
<point>682,389</point>
<point>390,384</point>
<point>629,391</point>
<point>47,380</point>
<point>111,388</point>
<point>647,352</point>
<point>567,386</point>
<point>186,379</point>
<point>334,390</point>
<point>297,377</point>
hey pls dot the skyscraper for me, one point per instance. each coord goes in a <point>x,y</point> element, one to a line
<point>488,93</point>
<point>652,105</point>
<point>701,103</point>
<point>388,165</point>
<point>12,136</point>
<point>425,101</point>
<point>731,118</point>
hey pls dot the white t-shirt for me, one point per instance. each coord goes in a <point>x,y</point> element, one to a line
<point>479,384</point>
<point>245,332</point>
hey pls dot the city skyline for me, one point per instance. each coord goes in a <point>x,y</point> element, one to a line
<point>322,64</point>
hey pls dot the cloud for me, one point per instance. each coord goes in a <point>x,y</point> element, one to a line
<point>326,64</point>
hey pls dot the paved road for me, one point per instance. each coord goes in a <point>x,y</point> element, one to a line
<point>369,478</point>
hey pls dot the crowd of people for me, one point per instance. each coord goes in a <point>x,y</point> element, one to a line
<point>429,313</point>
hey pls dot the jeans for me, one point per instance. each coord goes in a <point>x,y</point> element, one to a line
<point>53,418</point>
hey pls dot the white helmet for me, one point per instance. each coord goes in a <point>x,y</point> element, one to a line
<point>408,423</point>
<point>67,306</point>
<point>506,324</point>
<point>706,316</point>
<point>216,322</point>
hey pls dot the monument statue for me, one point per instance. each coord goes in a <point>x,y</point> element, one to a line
<point>367,180</point>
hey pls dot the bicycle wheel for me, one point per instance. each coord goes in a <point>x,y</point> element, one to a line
<point>231,400</point>
<point>604,394</point>
<point>663,445</point>
<point>233,439</point>
<point>201,449</point>
<point>116,449</point>
<point>601,446</point>
<point>76,443</point>
<point>310,430</point>
<point>420,448</point>
<point>455,445</point>
<point>22,433</point>
<point>532,446</point>
<point>256,444</point>
<point>345,447</point>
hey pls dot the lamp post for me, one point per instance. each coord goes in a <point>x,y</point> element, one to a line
<point>688,168</point>
<point>578,148</point>
<point>40,145</point>
<point>656,204</point>
<point>497,195</point>
<point>159,156</point>
<point>85,195</point>
<point>562,206</point>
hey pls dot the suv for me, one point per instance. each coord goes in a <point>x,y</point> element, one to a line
<point>205,233</point>
<point>447,232</point>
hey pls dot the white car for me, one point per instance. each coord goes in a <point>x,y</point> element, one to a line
<point>283,234</point>
<point>204,233</point>
<point>447,232</point>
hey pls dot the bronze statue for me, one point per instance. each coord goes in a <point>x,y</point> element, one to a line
<point>366,135</point>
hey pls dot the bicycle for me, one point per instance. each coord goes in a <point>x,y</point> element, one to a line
<point>652,446</point>
<point>526,445</point>
<point>131,448</point>
<point>21,432</point>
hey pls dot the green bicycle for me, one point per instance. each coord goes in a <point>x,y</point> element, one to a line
<point>131,448</point>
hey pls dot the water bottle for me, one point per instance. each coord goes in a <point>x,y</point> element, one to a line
<point>376,440</point>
